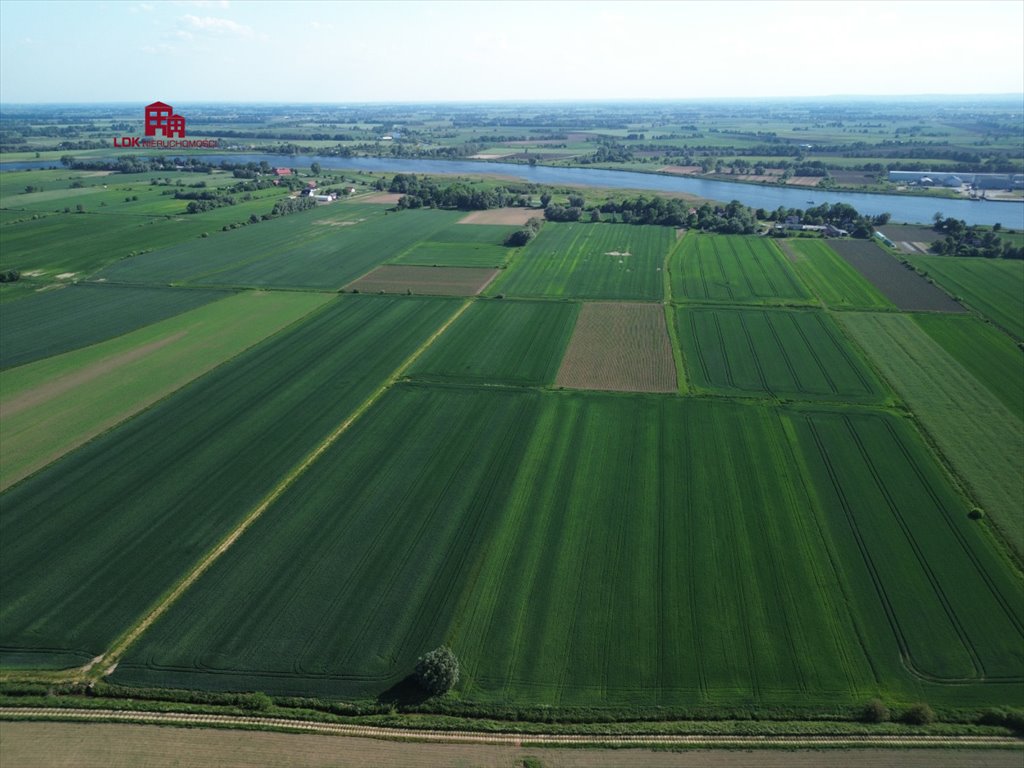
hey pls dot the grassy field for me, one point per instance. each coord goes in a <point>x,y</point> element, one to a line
<point>324,248</point>
<point>58,321</point>
<point>994,287</point>
<point>512,342</point>
<point>831,279</point>
<point>448,514</point>
<point>733,269</point>
<point>127,513</point>
<point>989,355</point>
<point>461,245</point>
<point>976,432</point>
<point>785,354</point>
<point>428,281</point>
<point>53,405</point>
<point>589,261</point>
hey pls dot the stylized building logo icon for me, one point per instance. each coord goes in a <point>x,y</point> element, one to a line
<point>160,117</point>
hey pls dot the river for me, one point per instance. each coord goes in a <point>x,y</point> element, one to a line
<point>903,208</point>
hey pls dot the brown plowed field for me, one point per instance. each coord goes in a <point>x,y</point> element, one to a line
<point>910,233</point>
<point>683,170</point>
<point>384,198</point>
<point>502,216</point>
<point>619,347</point>
<point>903,287</point>
<point>804,181</point>
<point>119,745</point>
<point>430,281</point>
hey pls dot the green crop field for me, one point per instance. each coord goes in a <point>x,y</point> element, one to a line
<point>515,342</point>
<point>683,578</point>
<point>42,246</point>
<point>126,514</point>
<point>61,320</point>
<point>786,354</point>
<point>976,432</point>
<point>461,245</point>
<point>51,406</point>
<point>733,269</point>
<point>834,281</point>
<point>324,248</point>
<point>589,261</point>
<point>994,287</point>
<point>988,354</point>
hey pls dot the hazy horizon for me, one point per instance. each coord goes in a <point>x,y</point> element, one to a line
<point>216,51</point>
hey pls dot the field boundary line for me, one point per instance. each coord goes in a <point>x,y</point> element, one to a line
<point>512,737</point>
<point>98,666</point>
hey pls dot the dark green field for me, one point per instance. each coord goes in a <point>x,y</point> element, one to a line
<point>128,513</point>
<point>844,566</point>
<point>461,245</point>
<point>800,355</point>
<point>61,320</point>
<point>516,342</point>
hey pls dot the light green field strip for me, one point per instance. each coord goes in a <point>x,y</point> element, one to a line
<point>49,407</point>
<point>834,281</point>
<point>979,436</point>
<point>994,287</point>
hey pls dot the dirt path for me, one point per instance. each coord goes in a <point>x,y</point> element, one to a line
<point>63,384</point>
<point>55,745</point>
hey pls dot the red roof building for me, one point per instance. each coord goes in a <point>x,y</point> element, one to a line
<point>283,171</point>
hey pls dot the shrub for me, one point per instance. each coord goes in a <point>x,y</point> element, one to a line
<point>875,711</point>
<point>259,702</point>
<point>976,514</point>
<point>437,672</point>
<point>919,714</point>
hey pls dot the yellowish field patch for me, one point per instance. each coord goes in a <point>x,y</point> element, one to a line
<point>804,181</point>
<point>382,198</point>
<point>682,170</point>
<point>501,216</point>
<point>619,347</point>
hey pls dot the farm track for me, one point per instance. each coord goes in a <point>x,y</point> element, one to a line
<point>513,738</point>
<point>103,663</point>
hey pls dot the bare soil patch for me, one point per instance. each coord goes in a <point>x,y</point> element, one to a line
<point>764,177</point>
<point>902,286</point>
<point>854,178</point>
<point>682,170</point>
<point>431,281</point>
<point>382,198</point>
<point>66,383</point>
<point>910,233</point>
<point>490,155</point>
<point>804,181</point>
<point>119,745</point>
<point>501,216</point>
<point>620,347</point>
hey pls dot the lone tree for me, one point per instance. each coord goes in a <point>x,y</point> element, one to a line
<point>438,671</point>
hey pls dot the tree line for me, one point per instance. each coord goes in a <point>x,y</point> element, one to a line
<point>962,239</point>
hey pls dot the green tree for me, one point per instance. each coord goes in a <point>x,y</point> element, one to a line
<point>437,672</point>
<point>315,169</point>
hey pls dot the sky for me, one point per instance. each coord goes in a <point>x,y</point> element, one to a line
<point>484,50</point>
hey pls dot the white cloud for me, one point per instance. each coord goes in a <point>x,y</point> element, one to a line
<point>219,25</point>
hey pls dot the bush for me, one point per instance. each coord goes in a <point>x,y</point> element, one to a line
<point>919,714</point>
<point>976,514</point>
<point>259,702</point>
<point>875,711</point>
<point>438,671</point>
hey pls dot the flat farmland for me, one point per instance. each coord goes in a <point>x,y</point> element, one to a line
<point>502,216</point>
<point>460,246</point>
<point>988,354</point>
<point>621,347</point>
<point>430,281</point>
<point>54,405</point>
<point>977,433</point>
<point>101,239</point>
<point>835,282</point>
<point>324,248</point>
<point>57,321</point>
<point>733,268</point>
<point>994,287</point>
<point>514,342</point>
<point>786,354</point>
<point>600,550</point>
<point>590,261</point>
<point>128,513</point>
<point>903,287</point>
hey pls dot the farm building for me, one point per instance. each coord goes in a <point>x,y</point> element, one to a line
<point>977,180</point>
<point>282,171</point>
